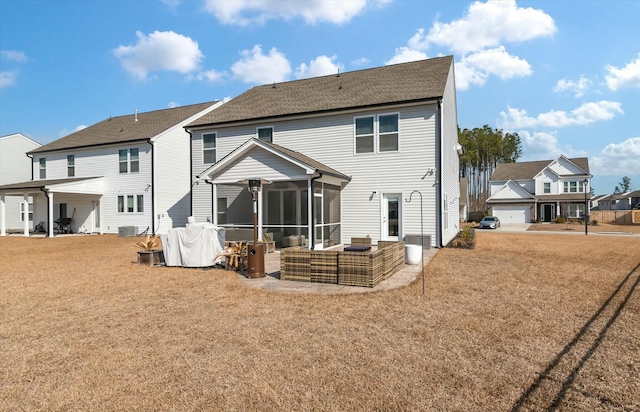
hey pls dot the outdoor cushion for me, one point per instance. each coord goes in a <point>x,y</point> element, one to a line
<point>357,248</point>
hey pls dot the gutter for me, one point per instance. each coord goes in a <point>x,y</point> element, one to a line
<point>153,189</point>
<point>46,194</point>
<point>209,182</point>
<point>439,174</point>
<point>190,171</point>
<point>30,157</point>
<point>312,240</point>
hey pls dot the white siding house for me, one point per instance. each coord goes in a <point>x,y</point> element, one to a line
<point>15,167</point>
<point>540,191</point>
<point>126,171</point>
<point>346,149</point>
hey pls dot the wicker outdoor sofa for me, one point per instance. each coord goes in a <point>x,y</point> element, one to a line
<point>341,267</point>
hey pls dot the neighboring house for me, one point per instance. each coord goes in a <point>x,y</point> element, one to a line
<point>464,199</point>
<point>620,201</point>
<point>541,190</point>
<point>594,202</point>
<point>15,167</point>
<point>344,153</point>
<point>129,170</point>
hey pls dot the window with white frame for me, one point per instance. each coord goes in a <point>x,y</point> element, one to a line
<point>30,208</point>
<point>222,211</point>
<point>71,166</point>
<point>573,187</point>
<point>576,210</point>
<point>365,140</point>
<point>130,203</point>
<point>547,187</point>
<point>43,167</point>
<point>209,148</point>
<point>129,160</point>
<point>445,211</point>
<point>265,134</point>
<point>388,133</point>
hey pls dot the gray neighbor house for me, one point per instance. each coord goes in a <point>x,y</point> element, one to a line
<point>343,154</point>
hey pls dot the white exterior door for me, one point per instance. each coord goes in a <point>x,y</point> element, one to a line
<point>391,216</point>
<point>96,217</point>
<point>512,214</point>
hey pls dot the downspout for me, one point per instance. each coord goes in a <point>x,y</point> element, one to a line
<point>439,174</point>
<point>209,182</point>
<point>31,157</point>
<point>46,194</point>
<point>191,171</point>
<point>312,239</point>
<point>153,189</point>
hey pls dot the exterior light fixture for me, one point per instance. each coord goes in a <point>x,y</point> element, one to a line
<point>255,250</point>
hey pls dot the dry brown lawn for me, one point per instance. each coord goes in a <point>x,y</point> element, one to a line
<point>522,322</point>
<point>579,228</point>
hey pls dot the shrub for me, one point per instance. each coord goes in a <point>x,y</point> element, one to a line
<point>467,234</point>
<point>560,219</point>
<point>594,222</point>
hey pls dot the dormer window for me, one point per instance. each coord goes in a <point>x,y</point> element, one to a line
<point>547,187</point>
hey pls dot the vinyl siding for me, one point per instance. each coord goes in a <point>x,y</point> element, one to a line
<point>450,161</point>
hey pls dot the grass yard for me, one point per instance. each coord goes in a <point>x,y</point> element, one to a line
<point>522,322</point>
<point>579,228</point>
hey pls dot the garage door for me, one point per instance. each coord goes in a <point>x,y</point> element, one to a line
<point>512,214</point>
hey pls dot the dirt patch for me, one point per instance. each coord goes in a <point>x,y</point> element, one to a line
<point>521,321</point>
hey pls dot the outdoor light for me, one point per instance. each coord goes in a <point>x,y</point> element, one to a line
<point>586,208</point>
<point>255,251</point>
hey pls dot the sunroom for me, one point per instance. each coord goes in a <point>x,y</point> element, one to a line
<point>300,204</point>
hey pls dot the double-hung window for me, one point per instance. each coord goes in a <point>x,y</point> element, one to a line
<point>129,160</point>
<point>43,167</point>
<point>376,134</point>
<point>209,148</point>
<point>265,134</point>
<point>71,166</point>
<point>576,210</point>
<point>30,209</point>
<point>222,210</point>
<point>547,187</point>
<point>573,187</point>
<point>131,204</point>
<point>365,140</point>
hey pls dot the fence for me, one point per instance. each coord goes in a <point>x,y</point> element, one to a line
<point>619,217</point>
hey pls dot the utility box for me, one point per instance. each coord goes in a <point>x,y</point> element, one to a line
<point>415,240</point>
<point>126,231</point>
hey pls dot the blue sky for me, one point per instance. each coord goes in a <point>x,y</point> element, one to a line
<point>565,75</point>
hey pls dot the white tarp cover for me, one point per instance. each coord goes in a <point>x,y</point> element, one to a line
<point>192,246</point>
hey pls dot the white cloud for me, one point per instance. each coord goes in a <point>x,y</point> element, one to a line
<point>543,145</point>
<point>160,51</point>
<point>16,56</point>
<point>320,66</point>
<point>586,114</point>
<point>577,87</point>
<point>245,12</point>
<point>362,61</point>
<point>628,76</point>
<point>406,54</point>
<point>172,105</point>
<point>226,99</point>
<point>65,132</point>
<point>418,41</point>
<point>258,68</point>
<point>172,3</point>
<point>210,76</point>
<point>618,159</point>
<point>8,78</point>
<point>491,24</point>
<point>476,68</point>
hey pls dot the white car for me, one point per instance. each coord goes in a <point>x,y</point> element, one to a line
<point>492,222</point>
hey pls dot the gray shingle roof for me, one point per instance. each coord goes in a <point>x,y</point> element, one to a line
<point>124,129</point>
<point>527,170</point>
<point>405,82</point>
<point>320,167</point>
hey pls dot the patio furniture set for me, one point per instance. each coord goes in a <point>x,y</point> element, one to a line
<point>359,266</point>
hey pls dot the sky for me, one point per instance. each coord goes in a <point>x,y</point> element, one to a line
<point>564,75</point>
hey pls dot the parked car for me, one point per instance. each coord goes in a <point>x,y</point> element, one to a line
<point>492,222</point>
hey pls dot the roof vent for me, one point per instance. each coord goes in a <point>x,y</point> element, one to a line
<point>340,85</point>
<point>135,116</point>
<point>274,85</point>
<point>121,129</point>
<point>338,72</point>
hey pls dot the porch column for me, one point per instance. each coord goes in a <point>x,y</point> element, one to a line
<point>3,220</point>
<point>558,211</point>
<point>25,214</point>
<point>50,212</point>
<point>311,240</point>
<point>260,209</point>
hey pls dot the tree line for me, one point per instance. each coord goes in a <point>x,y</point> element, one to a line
<point>485,147</point>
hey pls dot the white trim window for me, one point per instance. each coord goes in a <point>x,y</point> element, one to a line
<point>546,187</point>
<point>130,204</point>
<point>576,210</point>
<point>129,160</point>
<point>22,212</point>
<point>265,134</point>
<point>71,165</point>
<point>42,162</point>
<point>445,211</point>
<point>377,133</point>
<point>573,187</point>
<point>209,144</point>
<point>223,216</point>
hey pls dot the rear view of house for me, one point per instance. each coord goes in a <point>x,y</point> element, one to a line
<point>343,154</point>
<point>128,171</point>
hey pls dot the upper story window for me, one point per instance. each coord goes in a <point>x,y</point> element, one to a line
<point>129,160</point>
<point>71,166</point>
<point>265,134</point>
<point>209,148</point>
<point>573,187</point>
<point>547,187</point>
<point>375,134</point>
<point>43,167</point>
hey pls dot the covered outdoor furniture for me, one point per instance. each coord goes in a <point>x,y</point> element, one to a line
<point>195,245</point>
